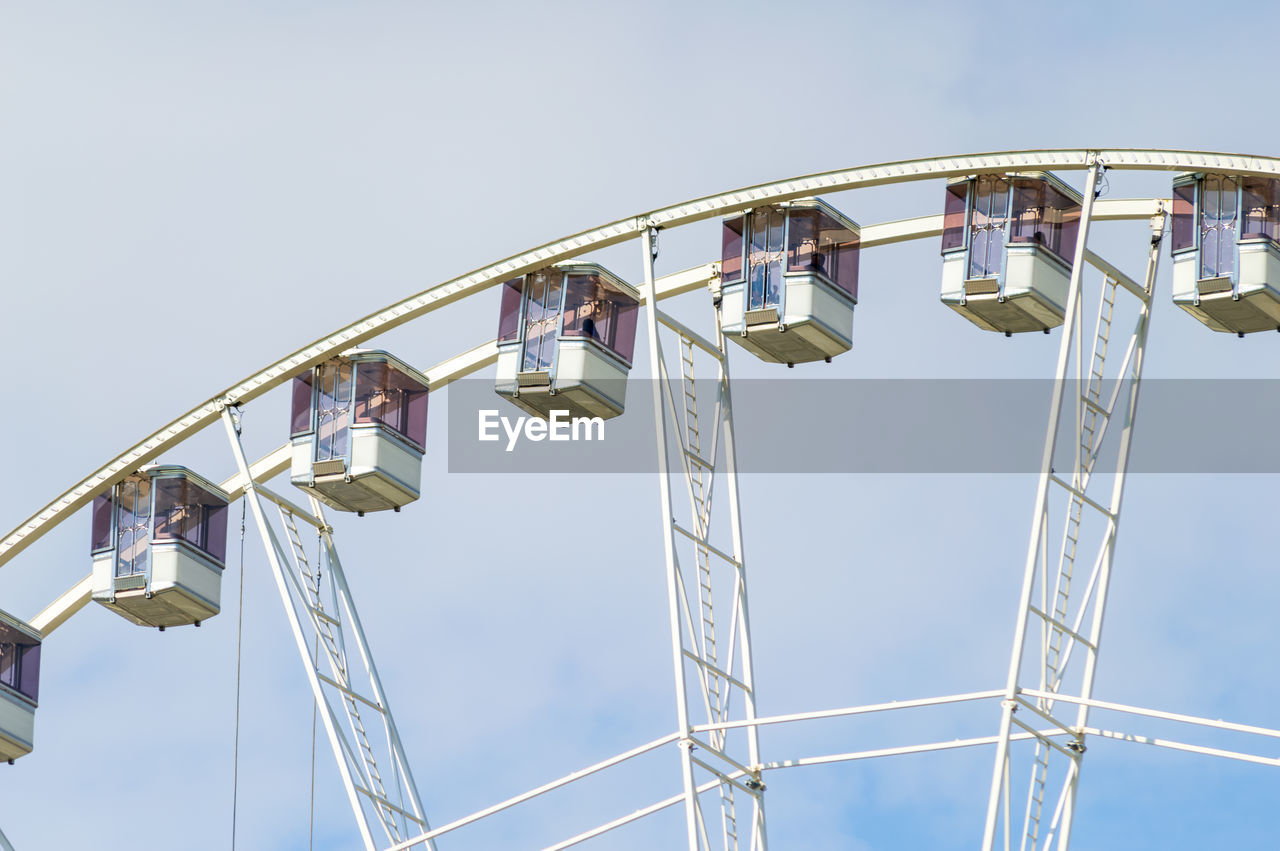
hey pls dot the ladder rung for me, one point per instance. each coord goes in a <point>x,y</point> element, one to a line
<point>1094,406</point>
<point>384,802</point>
<point>716,670</point>
<point>699,460</point>
<point>1044,738</point>
<point>324,617</point>
<point>1062,627</point>
<point>1080,495</point>
<point>702,542</point>
<point>340,687</point>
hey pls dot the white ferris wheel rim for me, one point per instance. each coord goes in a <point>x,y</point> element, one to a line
<point>621,230</point>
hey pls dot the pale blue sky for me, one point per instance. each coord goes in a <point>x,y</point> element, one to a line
<point>189,191</point>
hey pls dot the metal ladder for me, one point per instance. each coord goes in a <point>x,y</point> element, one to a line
<point>1093,420</point>
<point>701,482</point>
<point>335,651</point>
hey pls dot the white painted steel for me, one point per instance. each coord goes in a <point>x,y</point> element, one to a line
<point>380,700</point>
<point>1215,723</point>
<point>668,543</point>
<point>908,749</point>
<point>67,604</point>
<point>741,611</point>
<point>852,710</point>
<point>1091,419</point>
<point>541,790</point>
<point>643,226</point>
<point>611,234</point>
<point>1070,323</point>
<point>1117,498</point>
<point>1182,746</point>
<point>274,552</point>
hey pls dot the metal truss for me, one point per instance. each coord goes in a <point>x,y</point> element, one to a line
<point>348,693</point>
<point>1068,623</point>
<point>719,665</point>
<point>1048,698</point>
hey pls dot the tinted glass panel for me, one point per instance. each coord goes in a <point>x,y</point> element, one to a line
<point>757,254</point>
<point>625,342</point>
<point>216,531</point>
<point>765,258</point>
<point>333,409</point>
<point>820,244</point>
<point>11,634</point>
<point>1260,208</point>
<point>1217,226</point>
<point>836,248</point>
<point>300,421</point>
<point>542,319</point>
<point>10,656</point>
<point>170,504</point>
<point>509,312</point>
<point>20,665</point>
<point>133,519</point>
<point>1027,214</point>
<point>416,423</point>
<point>1045,216</point>
<point>100,536</point>
<point>388,396</point>
<point>29,671</point>
<point>598,311</point>
<point>777,224</point>
<point>1184,228</point>
<point>953,216</point>
<point>377,400</point>
<point>846,267</point>
<point>987,226</point>
<point>1070,230</point>
<point>731,250</point>
<point>187,512</point>
<point>802,242</point>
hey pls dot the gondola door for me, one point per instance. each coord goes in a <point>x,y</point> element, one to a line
<point>133,527</point>
<point>333,411</point>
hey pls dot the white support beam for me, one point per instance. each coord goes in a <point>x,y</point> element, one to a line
<point>628,819</point>
<point>688,333</point>
<point>853,710</point>
<point>1116,275</point>
<point>672,568</point>
<point>60,610</point>
<point>534,793</point>
<point>907,749</point>
<point>923,227</point>
<point>292,507</point>
<point>264,469</point>
<point>275,559</point>
<point>1215,723</point>
<point>1182,746</point>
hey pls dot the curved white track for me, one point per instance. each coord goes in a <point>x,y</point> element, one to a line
<point>448,292</point>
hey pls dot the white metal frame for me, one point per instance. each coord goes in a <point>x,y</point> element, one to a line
<point>718,675</point>
<point>325,615</point>
<point>1060,618</point>
<point>323,618</point>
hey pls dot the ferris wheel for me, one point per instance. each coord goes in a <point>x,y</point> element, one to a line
<point>781,286</point>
